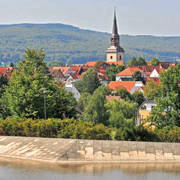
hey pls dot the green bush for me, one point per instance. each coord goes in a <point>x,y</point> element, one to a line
<point>168,134</point>
<point>69,128</point>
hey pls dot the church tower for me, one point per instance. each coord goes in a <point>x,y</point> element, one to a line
<point>115,53</point>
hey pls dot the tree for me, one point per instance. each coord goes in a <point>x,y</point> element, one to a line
<point>89,82</point>
<point>167,111</point>
<point>96,111</point>
<point>24,96</point>
<point>55,63</point>
<point>137,76</point>
<point>112,70</point>
<point>99,64</point>
<point>151,90</point>
<point>83,101</point>
<point>155,61</point>
<point>141,61</point>
<point>124,94</point>
<point>120,112</point>
<point>138,97</point>
<point>11,65</point>
<point>133,62</point>
<point>3,84</point>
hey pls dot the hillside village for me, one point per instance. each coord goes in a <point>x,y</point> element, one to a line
<point>69,75</point>
<point>106,99</point>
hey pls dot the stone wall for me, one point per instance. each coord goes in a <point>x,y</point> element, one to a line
<point>64,150</point>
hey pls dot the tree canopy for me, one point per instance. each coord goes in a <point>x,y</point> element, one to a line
<point>155,61</point>
<point>89,82</point>
<point>167,111</point>
<point>24,96</point>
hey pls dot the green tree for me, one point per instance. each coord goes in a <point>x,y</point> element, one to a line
<point>133,62</point>
<point>167,111</point>
<point>138,97</point>
<point>55,63</point>
<point>112,70</point>
<point>141,61</point>
<point>3,84</point>
<point>137,76</point>
<point>89,82</point>
<point>155,61</point>
<point>151,90</point>
<point>12,65</point>
<point>99,64</point>
<point>24,96</point>
<point>96,111</point>
<point>120,113</point>
<point>83,101</point>
<point>124,94</point>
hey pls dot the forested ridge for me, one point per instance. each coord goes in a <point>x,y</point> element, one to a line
<point>74,45</point>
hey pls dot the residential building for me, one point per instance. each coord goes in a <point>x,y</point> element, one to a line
<point>130,86</point>
<point>144,111</point>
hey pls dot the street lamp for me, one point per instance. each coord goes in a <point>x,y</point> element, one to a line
<point>44,92</point>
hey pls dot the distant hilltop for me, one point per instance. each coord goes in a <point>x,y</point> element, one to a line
<point>68,43</point>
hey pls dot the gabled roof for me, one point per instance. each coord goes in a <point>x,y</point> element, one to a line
<point>165,65</point>
<point>129,71</point>
<point>62,69</point>
<point>77,69</point>
<point>74,76</point>
<point>117,85</point>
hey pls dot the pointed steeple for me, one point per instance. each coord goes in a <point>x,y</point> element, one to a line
<point>115,35</point>
<point>115,29</point>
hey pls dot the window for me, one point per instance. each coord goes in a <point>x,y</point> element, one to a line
<point>119,57</point>
<point>111,57</point>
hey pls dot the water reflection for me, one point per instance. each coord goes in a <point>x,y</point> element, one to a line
<point>88,168</point>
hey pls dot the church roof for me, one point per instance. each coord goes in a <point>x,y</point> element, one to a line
<point>115,29</point>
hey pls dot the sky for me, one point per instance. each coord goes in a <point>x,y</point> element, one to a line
<point>153,17</point>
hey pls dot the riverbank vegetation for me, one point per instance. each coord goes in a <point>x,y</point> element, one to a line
<point>93,117</point>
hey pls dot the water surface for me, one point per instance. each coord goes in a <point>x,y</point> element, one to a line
<point>21,170</point>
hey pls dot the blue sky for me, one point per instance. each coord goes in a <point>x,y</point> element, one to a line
<point>156,17</point>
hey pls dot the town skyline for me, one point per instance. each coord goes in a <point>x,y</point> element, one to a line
<point>159,18</point>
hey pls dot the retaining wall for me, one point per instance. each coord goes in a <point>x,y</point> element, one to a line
<point>65,150</point>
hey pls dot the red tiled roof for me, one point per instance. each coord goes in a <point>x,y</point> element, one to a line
<point>120,63</point>
<point>117,85</point>
<point>3,70</point>
<point>77,69</point>
<point>129,71</point>
<point>91,63</point>
<point>62,69</point>
<point>6,71</point>
<point>147,69</point>
<point>74,76</point>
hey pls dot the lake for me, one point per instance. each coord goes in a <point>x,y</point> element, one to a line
<point>22,170</point>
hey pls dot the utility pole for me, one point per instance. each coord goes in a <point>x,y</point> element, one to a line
<point>44,92</point>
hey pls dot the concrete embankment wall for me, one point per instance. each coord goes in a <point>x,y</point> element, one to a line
<point>67,150</point>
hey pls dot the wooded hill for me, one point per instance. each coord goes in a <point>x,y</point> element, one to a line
<point>71,44</point>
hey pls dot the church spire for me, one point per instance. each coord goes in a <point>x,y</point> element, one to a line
<point>115,29</point>
<point>115,35</point>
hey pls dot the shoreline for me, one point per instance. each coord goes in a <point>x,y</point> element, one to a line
<point>78,151</point>
<point>56,162</point>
